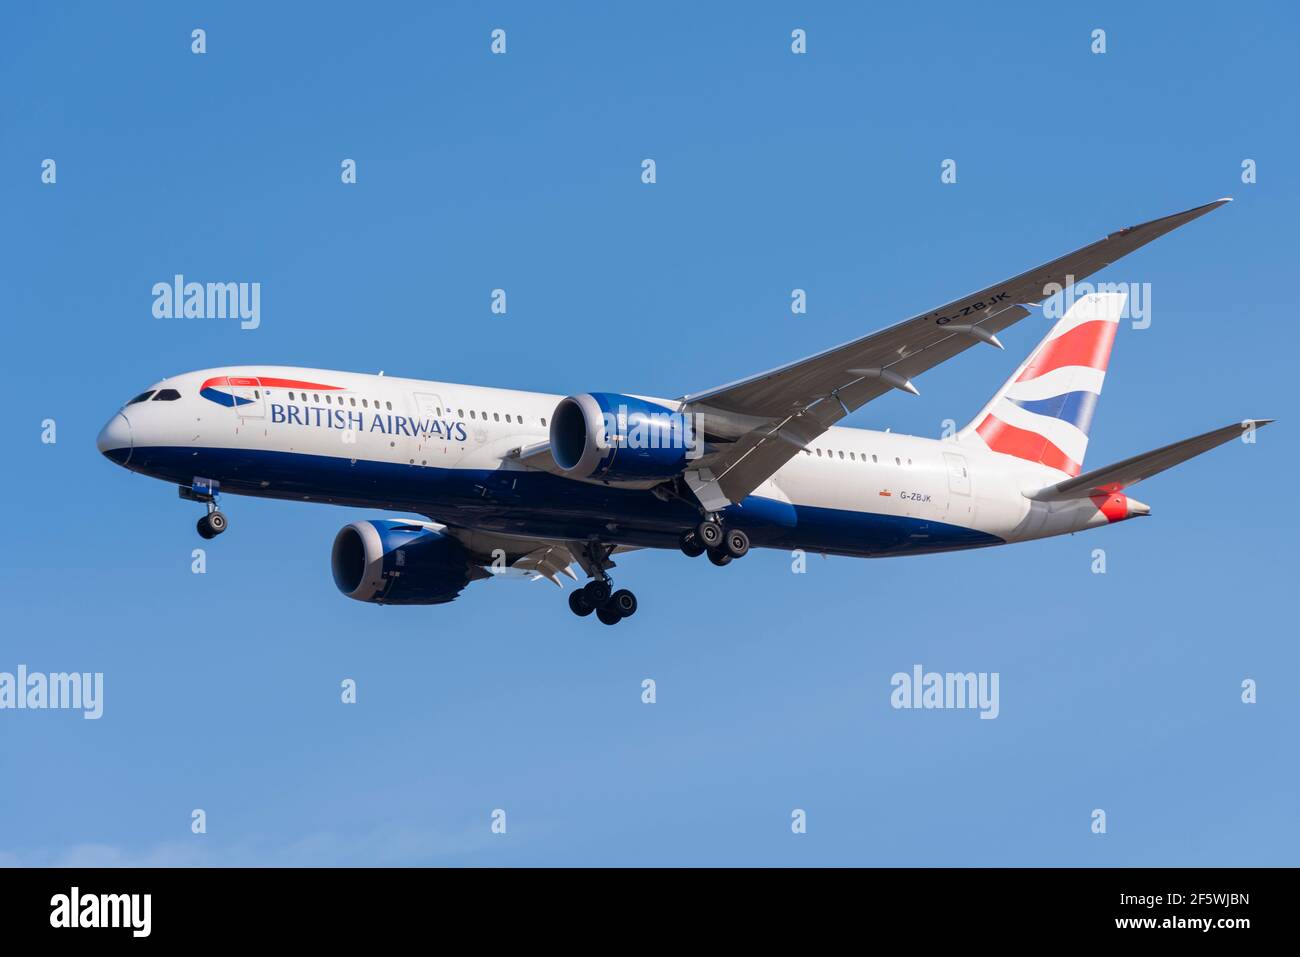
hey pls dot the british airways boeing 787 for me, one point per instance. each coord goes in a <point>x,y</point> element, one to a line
<point>538,482</point>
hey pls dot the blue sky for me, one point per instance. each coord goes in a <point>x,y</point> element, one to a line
<point>775,171</point>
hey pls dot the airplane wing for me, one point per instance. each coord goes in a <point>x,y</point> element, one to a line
<point>1121,475</point>
<point>536,557</point>
<point>758,424</point>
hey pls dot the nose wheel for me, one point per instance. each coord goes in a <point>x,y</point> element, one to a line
<point>205,490</point>
<point>212,524</point>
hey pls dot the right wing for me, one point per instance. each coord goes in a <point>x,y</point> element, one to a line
<point>760,423</point>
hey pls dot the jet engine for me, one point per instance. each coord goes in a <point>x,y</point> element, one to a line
<point>400,563</point>
<point>607,437</point>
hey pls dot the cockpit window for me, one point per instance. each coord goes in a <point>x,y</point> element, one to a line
<point>167,395</point>
<point>142,397</point>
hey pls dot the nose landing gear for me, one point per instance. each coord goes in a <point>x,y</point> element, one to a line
<point>212,524</point>
<point>206,490</point>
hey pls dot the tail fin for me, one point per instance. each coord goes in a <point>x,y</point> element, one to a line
<point>1044,411</point>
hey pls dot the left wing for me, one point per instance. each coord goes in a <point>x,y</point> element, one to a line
<point>758,424</point>
<point>539,558</point>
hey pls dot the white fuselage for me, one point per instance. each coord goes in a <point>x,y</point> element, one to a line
<point>444,450</point>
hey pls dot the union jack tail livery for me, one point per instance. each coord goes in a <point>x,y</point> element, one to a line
<point>1044,411</point>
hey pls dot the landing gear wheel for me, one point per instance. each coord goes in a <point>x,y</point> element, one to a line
<point>623,603</point>
<point>691,546</point>
<point>608,615</point>
<point>719,557</point>
<point>596,592</point>
<point>578,604</point>
<point>708,534</point>
<point>737,543</point>
<point>211,525</point>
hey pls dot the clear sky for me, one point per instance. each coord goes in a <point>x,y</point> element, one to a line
<point>522,171</point>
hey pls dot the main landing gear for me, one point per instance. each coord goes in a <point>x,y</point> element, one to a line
<point>598,595</point>
<point>610,607</point>
<point>723,545</point>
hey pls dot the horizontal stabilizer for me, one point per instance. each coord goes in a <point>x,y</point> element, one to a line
<point>1113,478</point>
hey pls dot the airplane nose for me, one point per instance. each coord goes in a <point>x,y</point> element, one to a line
<point>115,439</point>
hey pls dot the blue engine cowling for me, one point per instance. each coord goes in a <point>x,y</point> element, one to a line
<point>400,563</point>
<point>620,438</point>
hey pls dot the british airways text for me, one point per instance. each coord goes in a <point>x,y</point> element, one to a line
<point>350,420</point>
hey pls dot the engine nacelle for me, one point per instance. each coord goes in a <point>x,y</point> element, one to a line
<point>400,563</point>
<point>620,438</point>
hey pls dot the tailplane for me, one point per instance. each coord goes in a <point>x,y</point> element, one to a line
<point>1114,478</point>
<point>1043,413</point>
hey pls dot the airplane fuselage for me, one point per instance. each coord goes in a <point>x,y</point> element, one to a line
<point>445,450</point>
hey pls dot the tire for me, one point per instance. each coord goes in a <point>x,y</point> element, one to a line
<point>719,557</point>
<point>691,548</point>
<point>578,604</point>
<point>708,534</point>
<point>623,602</point>
<point>205,530</point>
<point>217,522</point>
<point>596,592</point>
<point>737,543</point>
<point>608,615</point>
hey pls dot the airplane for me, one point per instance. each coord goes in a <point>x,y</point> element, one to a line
<point>529,484</point>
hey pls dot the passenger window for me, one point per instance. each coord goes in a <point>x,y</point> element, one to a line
<point>315,397</point>
<point>354,400</point>
<point>841,455</point>
<point>896,461</point>
<point>365,404</point>
<point>819,453</point>
<point>328,400</point>
<point>388,406</point>
<point>874,459</point>
<point>496,417</point>
<point>460,413</point>
<point>290,396</point>
<point>507,416</point>
<point>852,457</point>
<point>471,413</point>
<point>543,421</point>
<point>167,395</point>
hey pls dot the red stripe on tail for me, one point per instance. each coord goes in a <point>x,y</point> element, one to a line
<point>1009,440</point>
<point>1084,345</point>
